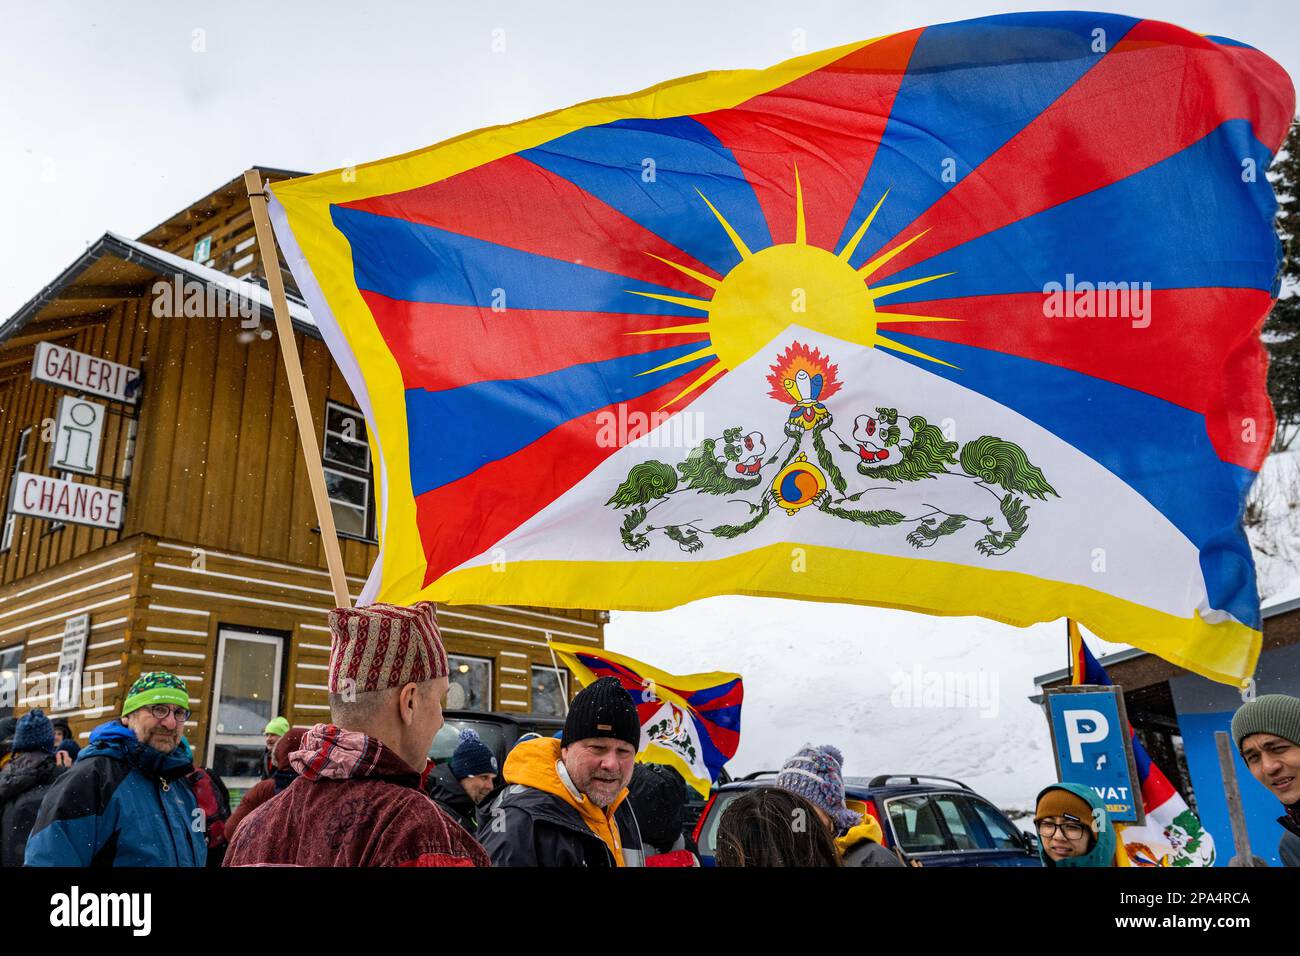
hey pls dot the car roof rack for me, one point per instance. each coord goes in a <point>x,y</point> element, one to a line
<point>913,778</point>
<point>756,774</point>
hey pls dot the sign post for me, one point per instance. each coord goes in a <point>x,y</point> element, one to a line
<point>1093,747</point>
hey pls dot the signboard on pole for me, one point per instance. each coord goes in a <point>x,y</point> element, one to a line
<point>68,368</point>
<point>79,426</point>
<point>72,657</point>
<point>1093,747</point>
<point>55,499</point>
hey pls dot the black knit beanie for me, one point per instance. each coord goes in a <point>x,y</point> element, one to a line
<point>602,709</point>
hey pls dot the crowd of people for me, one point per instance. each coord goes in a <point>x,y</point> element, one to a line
<point>360,791</point>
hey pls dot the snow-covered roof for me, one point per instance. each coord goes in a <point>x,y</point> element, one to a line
<point>241,287</point>
<point>163,263</point>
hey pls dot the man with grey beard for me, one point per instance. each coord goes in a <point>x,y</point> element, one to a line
<point>125,801</point>
<point>566,803</point>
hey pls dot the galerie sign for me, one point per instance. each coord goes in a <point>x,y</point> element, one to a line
<point>55,365</point>
<point>55,499</point>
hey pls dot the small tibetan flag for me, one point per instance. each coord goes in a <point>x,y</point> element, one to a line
<point>691,722</point>
<point>961,320</point>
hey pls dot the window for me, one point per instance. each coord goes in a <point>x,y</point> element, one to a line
<point>346,460</point>
<point>20,459</point>
<point>448,738</point>
<point>962,837</point>
<point>1003,835</point>
<point>917,824</point>
<point>11,662</point>
<point>471,683</point>
<point>550,691</point>
<point>246,696</point>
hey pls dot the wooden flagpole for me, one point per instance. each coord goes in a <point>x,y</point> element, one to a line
<point>266,249</point>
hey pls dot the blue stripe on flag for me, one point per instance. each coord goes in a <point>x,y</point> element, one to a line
<point>413,262</point>
<point>970,87</point>
<point>1173,225</point>
<point>455,431</point>
<point>610,163</point>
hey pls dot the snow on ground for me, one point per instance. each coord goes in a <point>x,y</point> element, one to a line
<point>841,674</point>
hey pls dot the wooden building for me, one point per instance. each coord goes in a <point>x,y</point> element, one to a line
<point>189,542</point>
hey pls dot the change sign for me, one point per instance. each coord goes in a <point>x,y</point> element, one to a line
<point>1093,747</point>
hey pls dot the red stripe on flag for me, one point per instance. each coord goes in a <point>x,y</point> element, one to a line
<point>456,522</point>
<point>1205,364</point>
<point>1156,789</point>
<point>518,343</point>
<point>1159,90</point>
<point>832,120</point>
<point>517,204</point>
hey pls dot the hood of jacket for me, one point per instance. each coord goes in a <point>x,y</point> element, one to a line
<point>1103,848</point>
<point>868,829</point>
<point>116,740</point>
<point>536,764</point>
<point>328,752</point>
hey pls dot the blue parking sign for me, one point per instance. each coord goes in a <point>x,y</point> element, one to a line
<point>1093,747</point>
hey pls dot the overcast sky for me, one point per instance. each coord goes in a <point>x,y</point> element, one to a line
<point>117,115</point>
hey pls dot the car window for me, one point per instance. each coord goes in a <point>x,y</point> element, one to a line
<point>963,836</point>
<point>916,824</point>
<point>448,738</point>
<point>1001,832</point>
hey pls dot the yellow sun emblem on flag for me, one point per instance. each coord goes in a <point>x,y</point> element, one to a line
<point>789,283</point>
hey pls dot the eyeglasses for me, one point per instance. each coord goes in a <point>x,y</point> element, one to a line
<point>1071,829</point>
<point>163,711</point>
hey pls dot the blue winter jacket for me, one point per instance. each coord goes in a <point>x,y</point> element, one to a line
<point>122,804</point>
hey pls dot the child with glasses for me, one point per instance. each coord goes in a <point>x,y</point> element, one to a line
<point>1074,828</point>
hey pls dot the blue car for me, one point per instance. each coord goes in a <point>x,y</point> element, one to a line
<point>933,821</point>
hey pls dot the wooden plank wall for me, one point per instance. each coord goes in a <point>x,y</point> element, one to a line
<point>105,585</point>
<point>118,335</point>
<point>219,463</point>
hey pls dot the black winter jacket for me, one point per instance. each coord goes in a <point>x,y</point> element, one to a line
<point>445,790</point>
<point>530,827</point>
<point>24,781</point>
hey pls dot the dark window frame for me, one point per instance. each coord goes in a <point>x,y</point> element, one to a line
<point>366,475</point>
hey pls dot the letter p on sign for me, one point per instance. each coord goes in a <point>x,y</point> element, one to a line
<point>1076,736</point>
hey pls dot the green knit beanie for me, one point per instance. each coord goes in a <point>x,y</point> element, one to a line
<point>1270,714</point>
<point>155,687</point>
<point>278,726</point>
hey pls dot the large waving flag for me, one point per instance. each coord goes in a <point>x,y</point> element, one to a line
<point>1173,835</point>
<point>962,320</point>
<point>690,722</point>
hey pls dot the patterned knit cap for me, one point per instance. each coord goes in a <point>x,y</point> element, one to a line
<point>155,687</point>
<point>383,645</point>
<point>816,774</point>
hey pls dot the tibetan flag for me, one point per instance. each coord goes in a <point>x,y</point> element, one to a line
<point>1173,835</point>
<point>690,723</point>
<point>961,320</point>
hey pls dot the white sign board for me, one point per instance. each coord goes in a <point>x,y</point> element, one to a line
<point>41,496</point>
<point>79,427</point>
<point>68,368</point>
<point>72,657</point>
